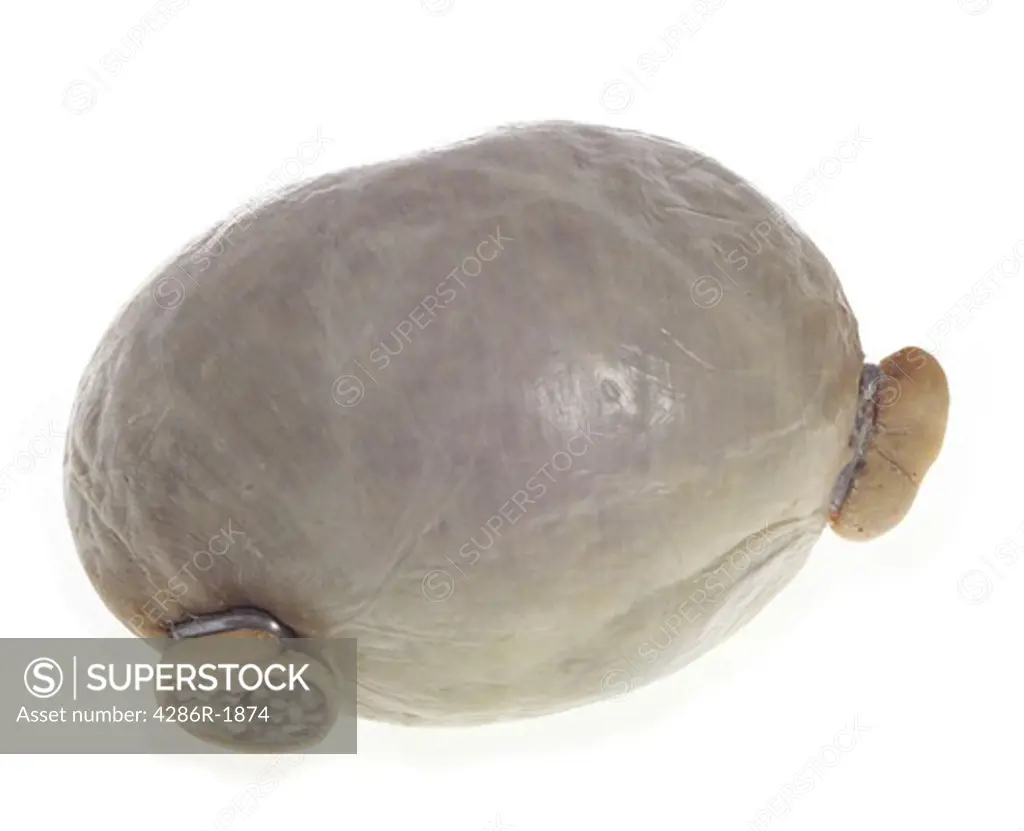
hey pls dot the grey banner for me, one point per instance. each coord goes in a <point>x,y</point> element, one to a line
<point>219,694</point>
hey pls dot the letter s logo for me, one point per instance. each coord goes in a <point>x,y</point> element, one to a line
<point>43,678</point>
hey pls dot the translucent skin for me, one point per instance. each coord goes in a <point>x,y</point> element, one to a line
<point>619,419</point>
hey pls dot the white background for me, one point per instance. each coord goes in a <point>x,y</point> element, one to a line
<point>113,163</point>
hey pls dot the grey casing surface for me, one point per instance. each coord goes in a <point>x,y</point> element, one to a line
<point>610,301</point>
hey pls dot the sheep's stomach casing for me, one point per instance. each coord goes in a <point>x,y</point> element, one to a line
<point>523,415</point>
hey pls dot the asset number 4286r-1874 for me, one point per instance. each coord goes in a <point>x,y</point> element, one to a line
<point>205,713</point>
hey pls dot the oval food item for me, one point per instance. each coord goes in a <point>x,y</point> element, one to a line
<point>527,416</point>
